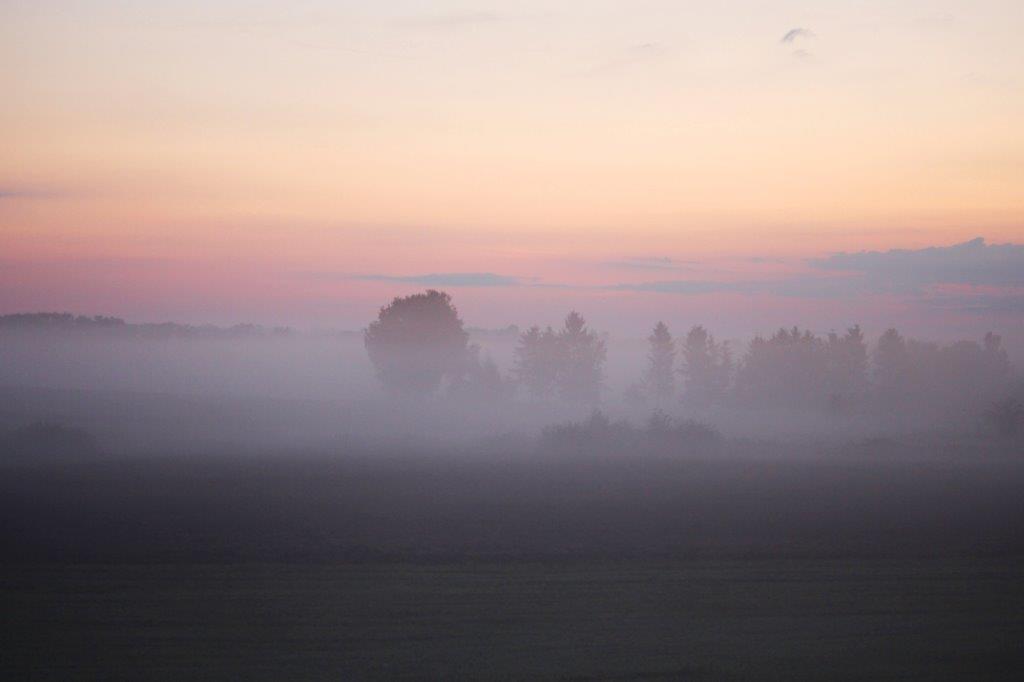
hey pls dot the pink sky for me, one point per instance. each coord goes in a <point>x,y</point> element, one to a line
<point>302,163</point>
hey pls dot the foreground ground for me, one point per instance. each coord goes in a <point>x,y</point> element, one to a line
<point>927,619</point>
<point>877,559</point>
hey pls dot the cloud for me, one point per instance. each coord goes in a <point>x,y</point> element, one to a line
<point>971,262</point>
<point>986,303</point>
<point>105,264</point>
<point>650,263</point>
<point>794,33</point>
<point>448,279</point>
<point>439,279</point>
<point>934,276</point>
<point>25,192</point>
<point>688,287</point>
<point>800,286</point>
<point>921,273</point>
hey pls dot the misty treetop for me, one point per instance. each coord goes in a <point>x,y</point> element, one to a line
<point>538,358</point>
<point>798,368</point>
<point>584,353</point>
<point>707,367</point>
<point>416,342</point>
<point>659,379</point>
<point>569,362</point>
<point>962,372</point>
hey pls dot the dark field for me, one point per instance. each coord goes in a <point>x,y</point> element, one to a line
<point>881,559</point>
<point>493,505</point>
<point>804,619</point>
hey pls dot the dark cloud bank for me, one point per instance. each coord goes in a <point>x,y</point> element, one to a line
<point>910,272</point>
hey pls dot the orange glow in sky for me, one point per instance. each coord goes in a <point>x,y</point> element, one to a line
<point>287,162</point>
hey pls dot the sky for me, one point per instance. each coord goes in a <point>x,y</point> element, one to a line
<point>739,164</point>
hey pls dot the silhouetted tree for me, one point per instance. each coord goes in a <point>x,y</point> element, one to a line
<point>891,366</point>
<point>661,357</point>
<point>790,369</point>
<point>482,380</point>
<point>597,435</point>
<point>846,366</point>
<point>539,359</point>
<point>994,358</point>
<point>416,342</point>
<point>969,373</point>
<point>601,437</point>
<point>927,378</point>
<point>707,367</point>
<point>583,355</point>
<point>54,321</point>
<point>724,371</point>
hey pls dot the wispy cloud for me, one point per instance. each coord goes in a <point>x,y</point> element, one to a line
<point>1011,303</point>
<point>442,279</point>
<point>452,279</point>
<point>105,264</point>
<point>687,287</point>
<point>436,279</point>
<point>801,286</point>
<point>650,263</point>
<point>794,34</point>
<point>28,192</point>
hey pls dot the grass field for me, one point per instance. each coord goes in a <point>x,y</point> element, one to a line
<point>799,619</point>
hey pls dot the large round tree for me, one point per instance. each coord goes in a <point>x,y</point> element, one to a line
<point>416,342</point>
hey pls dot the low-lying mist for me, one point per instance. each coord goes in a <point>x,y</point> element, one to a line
<point>174,388</point>
<point>421,440</point>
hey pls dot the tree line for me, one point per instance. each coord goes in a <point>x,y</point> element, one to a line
<point>66,322</point>
<point>418,343</point>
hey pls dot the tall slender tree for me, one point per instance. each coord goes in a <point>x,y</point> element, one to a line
<point>583,354</point>
<point>538,361</point>
<point>661,357</point>
<point>707,367</point>
<point>846,365</point>
<point>891,366</point>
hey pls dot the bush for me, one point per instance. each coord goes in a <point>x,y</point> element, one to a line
<point>599,435</point>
